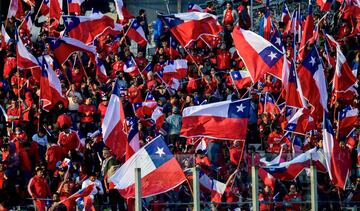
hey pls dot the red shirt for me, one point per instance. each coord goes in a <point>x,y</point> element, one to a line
<point>293,197</point>
<point>141,62</point>
<point>235,153</point>
<point>38,187</point>
<point>274,142</point>
<point>223,59</point>
<point>14,111</point>
<point>266,203</point>
<point>135,94</point>
<point>54,154</point>
<point>87,112</point>
<point>2,179</point>
<point>68,141</point>
<point>228,19</point>
<point>117,66</point>
<point>10,63</point>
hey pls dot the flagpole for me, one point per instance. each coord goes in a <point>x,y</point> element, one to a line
<point>124,36</point>
<point>37,14</point>
<point>6,21</point>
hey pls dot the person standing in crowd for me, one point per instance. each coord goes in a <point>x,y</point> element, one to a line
<point>142,20</point>
<point>38,189</point>
<point>174,126</point>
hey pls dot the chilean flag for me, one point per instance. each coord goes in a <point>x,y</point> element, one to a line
<point>174,53</point>
<point>26,24</point>
<point>24,58</point>
<point>301,122</point>
<point>149,98</point>
<point>307,34</point>
<point>285,16</point>
<point>347,119</point>
<point>181,67</point>
<point>214,120</point>
<point>215,187</point>
<point>258,54</point>
<point>55,9</point>
<point>50,88</point>
<point>157,163</point>
<point>4,37</point>
<point>122,12</point>
<point>338,161</point>
<point>87,28</point>
<point>15,10</point>
<point>293,92</point>
<point>100,70</point>
<point>291,169</point>
<point>159,117</point>
<point>267,178</point>
<point>266,26</point>
<point>313,82</point>
<point>136,33</point>
<point>131,68</point>
<point>78,194</point>
<point>114,135</point>
<point>44,7</point>
<point>240,78</point>
<point>344,79</point>
<point>144,108</point>
<point>65,46</point>
<point>194,8</point>
<point>325,5</point>
<point>133,137</point>
<point>270,104</point>
<point>189,26</point>
<point>74,6</point>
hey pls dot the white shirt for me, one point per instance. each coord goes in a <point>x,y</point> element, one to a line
<point>40,140</point>
<point>97,183</point>
<point>74,104</point>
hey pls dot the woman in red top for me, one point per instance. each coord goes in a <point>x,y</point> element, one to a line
<point>229,16</point>
<point>266,199</point>
<point>293,198</point>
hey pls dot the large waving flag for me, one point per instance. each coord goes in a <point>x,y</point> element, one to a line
<point>270,105</point>
<point>189,26</point>
<point>74,6</point>
<point>291,169</point>
<point>113,126</point>
<point>144,108</point>
<point>215,187</point>
<point>123,14</point>
<point>100,70</point>
<point>44,7</point>
<point>258,54</point>
<point>136,33</point>
<point>213,120</point>
<point>325,5</point>
<point>65,46</point>
<point>338,161</point>
<point>87,28</point>
<point>348,116</point>
<point>240,78</point>
<point>313,82</point>
<point>55,9</point>
<point>50,88</point>
<point>157,163</point>
<point>24,58</point>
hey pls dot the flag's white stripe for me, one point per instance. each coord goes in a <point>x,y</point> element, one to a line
<point>257,42</point>
<point>112,116</point>
<point>188,16</point>
<point>214,109</point>
<point>125,176</point>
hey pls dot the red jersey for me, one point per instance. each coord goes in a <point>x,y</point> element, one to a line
<point>118,66</point>
<point>10,64</point>
<point>15,113</point>
<point>87,112</point>
<point>69,141</point>
<point>292,198</point>
<point>274,142</point>
<point>223,59</point>
<point>228,18</point>
<point>266,202</point>
<point>38,187</point>
<point>135,94</point>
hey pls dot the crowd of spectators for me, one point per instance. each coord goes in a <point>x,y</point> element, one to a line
<point>34,143</point>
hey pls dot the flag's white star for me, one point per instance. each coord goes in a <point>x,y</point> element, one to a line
<point>160,151</point>
<point>278,41</point>
<point>53,41</point>
<point>291,127</point>
<point>235,76</point>
<point>240,108</point>
<point>68,21</point>
<point>312,62</point>
<point>272,55</point>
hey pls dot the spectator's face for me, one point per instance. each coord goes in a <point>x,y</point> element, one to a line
<point>228,6</point>
<point>92,178</point>
<point>140,54</point>
<point>292,189</point>
<point>106,153</point>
